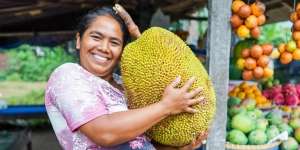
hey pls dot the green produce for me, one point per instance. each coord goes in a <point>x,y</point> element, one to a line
<point>285,127</point>
<point>258,113</point>
<point>274,118</point>
<point>236,110</point>
<point>232,101</point>
<point>249,104</point>
<point>152,62</point>
<point>257,137</point>
<point>237,137</point>
<point>294,123</point>
<point>272,132</point>
<point>290,144</point>
<point>243,122</point>
<point>297,134</point>
<point>262,124</point>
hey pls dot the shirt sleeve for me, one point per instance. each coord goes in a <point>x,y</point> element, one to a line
<point>76,97</point>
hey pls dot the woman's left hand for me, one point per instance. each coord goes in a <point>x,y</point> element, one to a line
<point>131,26</point>
<point>201,139</point>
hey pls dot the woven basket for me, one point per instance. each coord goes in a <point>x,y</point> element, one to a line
<point>270,146</point>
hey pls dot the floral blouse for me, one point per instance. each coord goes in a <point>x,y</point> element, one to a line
<point>74,97</point>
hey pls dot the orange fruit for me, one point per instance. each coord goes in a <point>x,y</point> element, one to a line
<point>251,22</point>
<point>281,47</point>
<point>250,63</point>
<point>298,7</point>
<point>293,17</point>
<point>261,20</point>
<point>244,11</point>
<point>256,51</point>
<point>236,5</point>
<point>235,21</point>
<point>296,54</point>
<point>267,49</point>
<point>244,85</point>
<point>258,72</point>
<point>296,25</point>
<point>286,58</point>
<point>296,35</point>
<point>243,31</point>
<point>247,75</point>
<point>250,95</point>
<point>298,43</point>
<point>246,53</point>
<point>263,61</point>
<point>268,72</point>
<point>255,32</point>
<point>258,8</point>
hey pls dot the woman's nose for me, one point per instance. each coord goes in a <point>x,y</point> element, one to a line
<point>103,46</point>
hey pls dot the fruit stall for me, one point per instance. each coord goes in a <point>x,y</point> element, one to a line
<point>263,95</point>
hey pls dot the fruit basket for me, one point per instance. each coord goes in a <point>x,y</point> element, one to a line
<point>271,146</point>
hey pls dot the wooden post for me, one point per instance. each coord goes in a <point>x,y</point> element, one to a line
<point>218,42</point>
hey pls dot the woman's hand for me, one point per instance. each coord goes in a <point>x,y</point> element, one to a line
<point>177,100</point>
<point>131,26</point>
<point>201,139</point>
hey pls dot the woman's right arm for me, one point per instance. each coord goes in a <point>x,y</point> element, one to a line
<point>113,129</point>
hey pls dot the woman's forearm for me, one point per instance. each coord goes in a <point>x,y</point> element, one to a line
<point>119,127</point>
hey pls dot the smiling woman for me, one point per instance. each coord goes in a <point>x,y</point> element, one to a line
<point>101,46</point>
<point>85,102</point>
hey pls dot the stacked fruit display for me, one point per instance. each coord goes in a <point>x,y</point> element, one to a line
<point>255,61</point>
<point>287,94</point>
<point>246,19</point>
<point>247,125</point>
<point>246,91</point>
<point>287,52</point>
<point>295,19</point>
<point>293,128</point>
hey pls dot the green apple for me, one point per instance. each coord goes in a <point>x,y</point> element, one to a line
<point>291,46</point>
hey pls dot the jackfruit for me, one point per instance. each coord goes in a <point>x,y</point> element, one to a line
<point>151,63</point>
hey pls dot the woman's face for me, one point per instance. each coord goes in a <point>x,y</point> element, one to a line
<point>101,46</point>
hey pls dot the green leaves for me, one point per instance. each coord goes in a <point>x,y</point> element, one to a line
<point>24,64</point>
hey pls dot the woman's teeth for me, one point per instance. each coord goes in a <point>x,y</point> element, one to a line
<point>100,57</point>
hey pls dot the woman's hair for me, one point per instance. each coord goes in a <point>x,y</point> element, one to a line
<point>87,20</point>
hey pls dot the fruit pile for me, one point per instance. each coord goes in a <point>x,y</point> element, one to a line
<point>288,52</point>
<point>295,19</point>
<point>245,91</point>
<point>254,62</point>
<point>292,126</point>
<point>246,19</point>
<point>247,125</point>
<point>287,94</point>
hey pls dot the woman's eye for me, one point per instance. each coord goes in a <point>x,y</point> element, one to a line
<point>114,43</point>
<point>95,37</point>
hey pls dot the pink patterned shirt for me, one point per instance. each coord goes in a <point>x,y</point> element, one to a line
<point>74,97</point>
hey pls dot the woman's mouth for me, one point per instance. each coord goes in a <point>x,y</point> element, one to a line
<point>100,59</point>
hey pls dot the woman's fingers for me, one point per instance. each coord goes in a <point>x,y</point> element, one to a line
<point>123,14</point>
<point>190,110</point>
<point>194,92</point>
<point>195,101</point>
<point>132,27</point>
<point>175,82</point>
<point>188,84</point>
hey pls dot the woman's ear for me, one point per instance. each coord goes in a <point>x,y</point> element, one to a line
<point>77,41</point>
